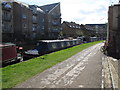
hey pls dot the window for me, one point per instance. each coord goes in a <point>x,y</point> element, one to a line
<point>43,20</point>
<point>22,5</point>
<point>6,16</point>
<point>34,28</point>
<point>68,43</point>
<point>24,25</point>
<point>6,27</point>
<point>24,16</point>
<point>42,27</point>
<point>34,35</point>
<point>62,44</point>
<point>34,19</point>
<point>53,44</point>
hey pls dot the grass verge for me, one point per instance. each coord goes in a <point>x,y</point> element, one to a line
<point>17,73</point>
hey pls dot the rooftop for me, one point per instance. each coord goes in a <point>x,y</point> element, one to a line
<point>48,7</point>
<point>72,24</point>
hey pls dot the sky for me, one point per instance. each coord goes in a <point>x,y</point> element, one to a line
<point>80,11</point>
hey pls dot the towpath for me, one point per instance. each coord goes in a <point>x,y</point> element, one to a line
<point>83,70</point>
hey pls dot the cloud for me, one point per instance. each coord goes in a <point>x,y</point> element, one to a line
<point>84,11</point>
<point>79,11</point>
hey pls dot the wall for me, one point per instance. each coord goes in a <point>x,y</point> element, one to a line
<point>0,21</point>
<point>114,31</point>
<point>54,16</point>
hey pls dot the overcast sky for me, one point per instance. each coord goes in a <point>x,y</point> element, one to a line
<point>80,11</point>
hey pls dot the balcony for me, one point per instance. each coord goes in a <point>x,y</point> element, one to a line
<point>6,28</point>
<point>34,28</point>
<point>56,30</point>
<point>6,6</point>
<point>34,19</point>
<point>56,23</point>
<point>7,18</point>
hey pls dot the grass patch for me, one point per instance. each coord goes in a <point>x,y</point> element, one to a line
<point>17,73</point>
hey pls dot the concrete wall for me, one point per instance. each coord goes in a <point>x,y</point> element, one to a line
<point>114,31</point>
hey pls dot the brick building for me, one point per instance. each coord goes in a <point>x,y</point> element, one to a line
<point>113,38</point>
<point>99,30</point>
<point>22,22</point>
<point>0,21</point>
<point>71,29</point>
<point>7,21</point>
<point>38,23</point>
<point>52,20</point>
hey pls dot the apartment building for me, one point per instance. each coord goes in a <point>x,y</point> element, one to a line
<point>22,18</point>
<point>52,20</point>
<point>113,37</point>
<point>71,29</point>
<point>7,21</point>
<point>38,22</point>
<point>22,22</point>
<point>0,21</point>
<point>100,30</point>
<point>87,32</point>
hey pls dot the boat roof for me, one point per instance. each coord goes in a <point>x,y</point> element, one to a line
<point>56,40</point>
<point>6,44</point>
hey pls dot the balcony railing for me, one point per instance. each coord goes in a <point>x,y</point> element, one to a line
<point>34,28</point>
<point>7,28</point>
<point>34,19</point>
<point>56,30</point>
<point>56,23</point>
<point>7,18</point>
<point>6,6</point>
